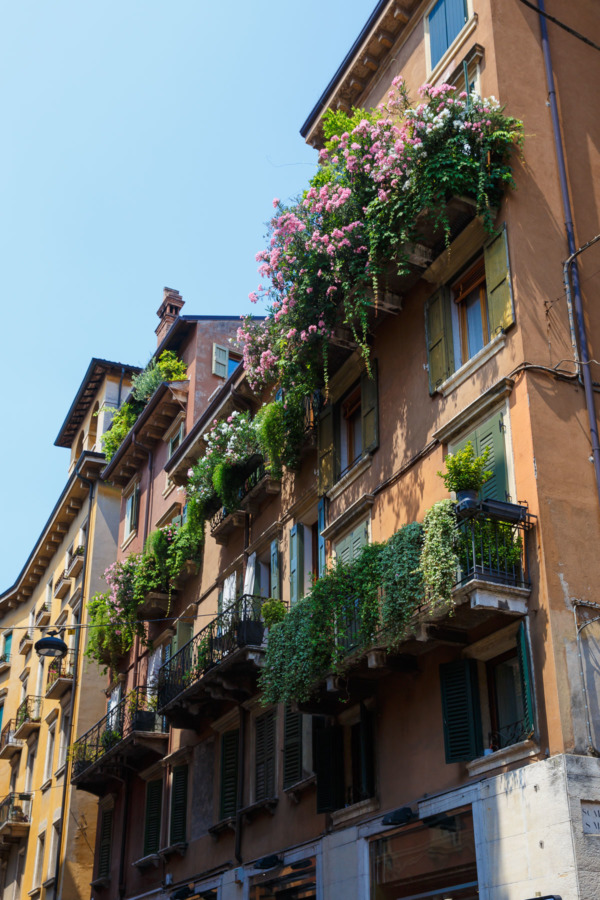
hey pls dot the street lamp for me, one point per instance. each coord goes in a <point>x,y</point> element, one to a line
<point>51,645</point>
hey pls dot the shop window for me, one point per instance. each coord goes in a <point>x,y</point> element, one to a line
<point>344,761</point>
<point>445,21</point>
<point>297,881</point>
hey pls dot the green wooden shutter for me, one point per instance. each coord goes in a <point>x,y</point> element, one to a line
<point>526,679</point>
<point>154,792</point>
<point>321,522</point>
<point>179,792</point>
<point>292,747</point>
<point>296,562</point>
<point>229,773</point>
<point>135,508</point>
<point>460,710</point>
<point>275,570</point>
<point>329,768</point>
<point>367,753</point>
<point>497,277</point>
<point>326,450</point>
<point>369,408</point>
<point>490,435</point>
<point>106,827</point>
<point>220,361</point>
<point>440,347</point>
<point>264,759</point>
<point>359,538</point>
<point>184,632</point>
<point>343,549</point>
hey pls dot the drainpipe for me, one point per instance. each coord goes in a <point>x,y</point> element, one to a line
<point>144,534</point>
<point>90,485</point>
<point>578,310</point>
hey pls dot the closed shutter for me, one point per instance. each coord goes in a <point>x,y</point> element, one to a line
<point>460,710</point>
<point>154,791</point>
<point>220,361</point>
<point>265,756</point>
<point>321,522</point>
<point>440,347</point>
<point>7,645</point>
<point>525,677</point>
<point>359,538</point>
<point>456,16</point>
<point>367,753</point>
<point>490,436</point>
<point>106,827</point>
<point>329,768</point>
<point>275,570</point>
<point>326,450</point>
<point>497,278</point>
<point>296,562</point>
<point>292,747</point>
<point>179,792</point>
<point>229,773</point>
<point>369,408</point>
<point>135,508</point>
<point>437,32</point>
<point>343,549</point>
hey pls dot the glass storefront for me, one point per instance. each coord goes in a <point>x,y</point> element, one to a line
<point>297,881</point>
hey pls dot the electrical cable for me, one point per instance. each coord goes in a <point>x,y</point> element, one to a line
<point>560,24</point>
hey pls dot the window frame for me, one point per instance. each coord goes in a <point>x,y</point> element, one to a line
<point>132,512</point>
<point>431,63</point>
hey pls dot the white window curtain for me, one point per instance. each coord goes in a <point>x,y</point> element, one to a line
<point>250,574</point>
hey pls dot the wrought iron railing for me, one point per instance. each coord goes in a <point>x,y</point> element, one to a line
<point>218,518</point>
<point>493,548</point>
<point>30,710</point>
<point>253,479</point>
<point>7,737</point>
<point>16,808</point>
<point>60,668</point>
<point>4,658</point>
<point>135,712</point>
<point>77,554</point>
<point>60,581</point>
<point>312,407</point>
<point>239,625</point>
<point>510,734</point>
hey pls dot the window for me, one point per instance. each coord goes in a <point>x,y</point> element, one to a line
<point>132,508</point>
<point>30,764</point>
<point>39,859</point>
<point>463,317</point>
<point>348,430</point>
<point>266,578</point>
<point>48,764</point>
<point>53,851</point>
<point>105,842</point>
<point>6,646</point>
<point>64,740</point>
<point>176,440</point>
<point>1,714</point>
<point>490,435</point>
<point>229,774</point>
<point>344,761</point>
<point>509,708</point>
<point>179,792</point>
<point>154,792</point>
<point>264,756</point>
<point>445,20</point>
<point>308,560</point>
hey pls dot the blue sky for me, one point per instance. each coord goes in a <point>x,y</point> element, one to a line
<point>143,143</point>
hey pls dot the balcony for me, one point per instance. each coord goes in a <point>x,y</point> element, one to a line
<point>258,487</point>
<point>63,585</point>
<point>9,744</point>
<point>4,662</point>
<point>75,563</point>
<point>26,643</point>
<point>128,733</point>
<point>220,663</point>
<point>28,717</point>
<point>60,677</point>
<point>155,605</point>
<point>225,522</point>
<point>15,815</point>
<point>42,616</point>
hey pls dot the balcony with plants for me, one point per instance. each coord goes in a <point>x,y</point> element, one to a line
<point>9,744</point>
<point>75,562</point>
<point>220,663</point>
<point>28,717</point>
<point>59,679</point>
<point>42,615</point>
<point>5,659</point>
<point>130,732</point>
<point>15,816</point>
<point>62,585</point>
<point>26,642</point>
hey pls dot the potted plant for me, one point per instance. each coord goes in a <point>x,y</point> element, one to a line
<point>110,738</point>
<point>466,473</point>
<point>273,611</point>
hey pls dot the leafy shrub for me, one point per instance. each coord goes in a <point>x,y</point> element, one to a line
<point>439,558</point>
<point>168,367</point>
<point>465,471</point>
<point>401,580</point>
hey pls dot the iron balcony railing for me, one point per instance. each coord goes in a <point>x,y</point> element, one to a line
<point>135,712</point>
<point>60,668</point>
<point>4,658</point>
<point>510,734</point>
<point>491,544</point>
<point>238,626</point>
<point>77,554</point>
<point>253,479</point>
<point>218,518</point>
<point>30,710</point>
<point>7,737</point>
<point>16,808</point>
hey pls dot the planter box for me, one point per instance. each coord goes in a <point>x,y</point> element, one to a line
<point>144,720</point>
<point>154,605</point>
<point>249,632</point>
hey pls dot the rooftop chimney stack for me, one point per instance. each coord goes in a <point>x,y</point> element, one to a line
<point>167,313</point>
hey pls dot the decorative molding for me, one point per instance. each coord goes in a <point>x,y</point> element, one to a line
<point>506,756</point>
<point>349,813</point>
<point>474,411</point>
<point>355,511</point>
<point>272,533</point>
<point>472,365</point>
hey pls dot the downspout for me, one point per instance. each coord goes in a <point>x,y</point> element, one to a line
<point>90,485</point>
<point>144,534</point>
<point>578,311</point>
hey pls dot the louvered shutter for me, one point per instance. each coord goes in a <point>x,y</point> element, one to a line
<point>229,773</point>
<point>369,408</point>
<point>296,562</point>
<point>525,677</point>
<point>460,710</point>
<point>359,538</point>
<point>329,768</point>
<point>179,792</point>
<point>220,361</point>
<point>343,549</point>
<point>498,285</point>
<point>456,16</point>
<point>490,435</point>
<point>275,570</point>
<point>265,756</point>
<point>321,522</point>
<point>437,32</point>
<point>154,791</point>
<point>106,827</point>
<point>440,347</point>
<point>367,753</point>
<point>292,747</point>
<point>135,508</point>
<point>326,450</point>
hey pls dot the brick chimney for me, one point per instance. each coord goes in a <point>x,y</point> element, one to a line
<point>167,313</point>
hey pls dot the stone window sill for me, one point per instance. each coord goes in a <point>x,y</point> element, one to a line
<point>46,785</point>
<point>147,862</point>
<point>504,757</point>
<point>472,365</point>
<point>294,791</point>
<point>130,537</point>
<point>349,813</point>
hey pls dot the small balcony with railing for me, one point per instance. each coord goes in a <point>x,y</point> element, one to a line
<point>4,661</point>
<point>63,585</point>
<point>60,676</point>
<point>42,615</point>
<point>218,665</point>
<point>9,744</point>
<point>28,717</point>
<point>26,642</point>
<point>15,816</point>
<point>258,487</point>
<point>75,562</point>
<point>129,734</point>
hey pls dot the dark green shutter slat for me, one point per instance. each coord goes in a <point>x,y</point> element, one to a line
<point>326,450</point>
<point>321,522</point>
<point>440,346</point>
<point>525,676</point>
<point>275,570</point>
<point>460,710</point>
<point>367,753</point>
<point>265,756</point>
<point>296,562</point>
<point>229,773</point>
<point>329,767</point>
<point>292,747</point>
<point>154,791</point>
<point>135,507</point>
<point>179,791</point>
<point>359,539</point>
<point>369,406</point>
<point>497,278</point>
<point>105,843</point>
<point>490,436</point>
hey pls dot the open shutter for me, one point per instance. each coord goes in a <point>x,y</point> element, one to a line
<point>154,792</point>
<point>369,407</point>
<point>7,645</point>
<point>296,562</point>
<point>229,773</point>
<point>275,570</point>
<point>367,753</point>
<point>460,710</point>
<point>440,348</point>
<point>326,450</point>
<point>497,278</point>
<point>106,827</point>
<point>329,768</point>
<point>220,361</point>
<point>135,508</point>
<point>179,792</point>
<point>525,676</point>
<point>292,747</point>
<point>265,756</point>
<point>359,538</point>
<point>490,435</point>
<point>321,522</point>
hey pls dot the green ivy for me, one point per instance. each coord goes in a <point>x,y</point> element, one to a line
<point>401,580</point>
<point>439,558</point>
